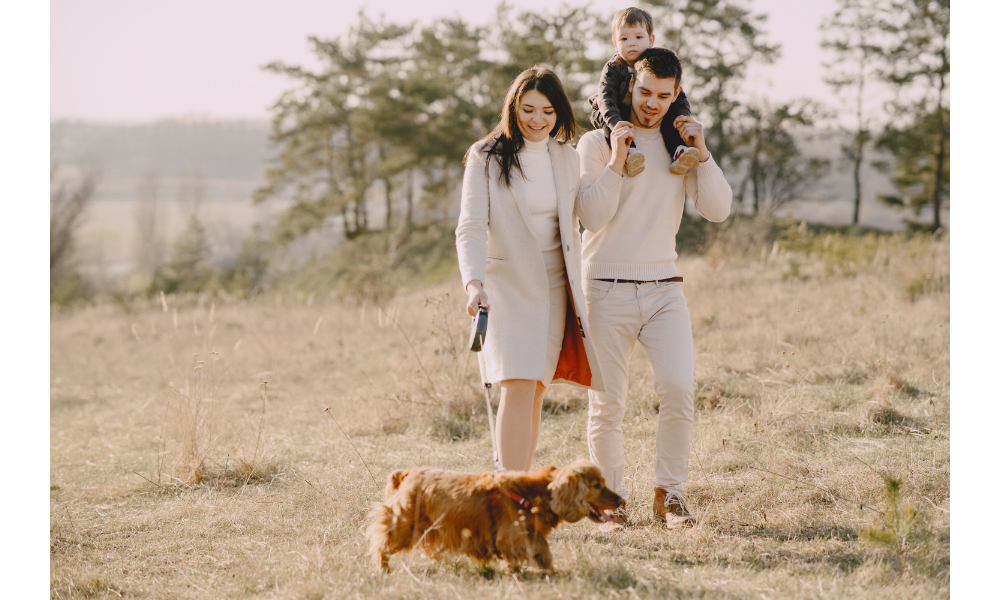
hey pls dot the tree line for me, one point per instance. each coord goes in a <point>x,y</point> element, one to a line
<point>390,112</point>
<point>906,45</point>
<point>395,106</point>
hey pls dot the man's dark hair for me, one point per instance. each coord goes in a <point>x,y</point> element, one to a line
<point>660,63</point>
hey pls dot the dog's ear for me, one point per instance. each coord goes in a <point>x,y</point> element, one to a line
<point>393,481</point>
<point>569,492</point>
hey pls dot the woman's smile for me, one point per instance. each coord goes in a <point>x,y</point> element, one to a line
<point>535,116</point>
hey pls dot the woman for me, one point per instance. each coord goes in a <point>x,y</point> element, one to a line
<point>518,238</point>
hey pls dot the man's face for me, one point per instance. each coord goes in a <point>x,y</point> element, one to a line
<point>651,98</point>
<point>631,41</point>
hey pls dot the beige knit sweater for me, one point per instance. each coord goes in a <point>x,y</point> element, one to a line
<point>631,223</point>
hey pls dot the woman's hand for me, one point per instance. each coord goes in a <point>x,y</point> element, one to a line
<point>477,297</point>
<point>621,136</point>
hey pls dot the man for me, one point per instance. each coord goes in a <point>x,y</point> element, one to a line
<point>633,290</point>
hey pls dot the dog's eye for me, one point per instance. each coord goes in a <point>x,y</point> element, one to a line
<point>596,486</point>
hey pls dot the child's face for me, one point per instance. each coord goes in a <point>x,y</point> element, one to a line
<point>631,41</point>
<point>535,116</point>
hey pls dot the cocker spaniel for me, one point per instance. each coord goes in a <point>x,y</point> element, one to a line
<point>503,515</point>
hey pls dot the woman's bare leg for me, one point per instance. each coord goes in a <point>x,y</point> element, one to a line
<point>517,422</point>
<point>536,421</point>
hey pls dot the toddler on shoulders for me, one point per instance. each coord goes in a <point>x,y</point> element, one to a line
<point>632,34</point>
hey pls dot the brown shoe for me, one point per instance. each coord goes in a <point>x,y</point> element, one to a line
<point>685,159</point>
<point>669,508</point>
<point>635,163</point>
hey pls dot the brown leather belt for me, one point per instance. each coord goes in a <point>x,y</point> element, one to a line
<point>672,279</point>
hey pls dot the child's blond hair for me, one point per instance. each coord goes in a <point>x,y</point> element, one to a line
<point>630,17</point>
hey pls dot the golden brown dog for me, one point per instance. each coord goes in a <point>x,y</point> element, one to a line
<point>504,515</point>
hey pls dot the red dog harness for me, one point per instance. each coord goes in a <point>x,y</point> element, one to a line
<point>524,502</point>
<point>495,510</point>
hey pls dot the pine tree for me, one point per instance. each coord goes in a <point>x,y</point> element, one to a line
<point>915,171</point>
<point>918,56</point>
<point>186,271</point>
<point>776,168</point>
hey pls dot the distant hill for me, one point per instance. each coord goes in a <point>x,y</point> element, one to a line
<point>227,150</point>
<point>232,153</point>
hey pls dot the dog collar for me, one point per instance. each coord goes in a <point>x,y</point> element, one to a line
<point>524,502</point>
<point>516,498</point>
<point>494,509</point>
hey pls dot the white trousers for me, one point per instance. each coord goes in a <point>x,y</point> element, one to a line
<point>656,316</point>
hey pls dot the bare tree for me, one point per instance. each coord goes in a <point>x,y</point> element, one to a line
<point>852,35</point>
<point>148,245</point>
<point>66,207</point>
<point>191,189</point>
<point>67,202</point>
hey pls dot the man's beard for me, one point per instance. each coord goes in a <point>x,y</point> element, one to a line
<point>639,116</point>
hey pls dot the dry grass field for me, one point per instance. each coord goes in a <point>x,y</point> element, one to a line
<point>822,364</point>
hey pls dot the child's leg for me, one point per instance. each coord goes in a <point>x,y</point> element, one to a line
<point>598,122</point>
<point>626,112</point>
<point>683,161</point>
<point>671,137</point>
<point>634,163</point>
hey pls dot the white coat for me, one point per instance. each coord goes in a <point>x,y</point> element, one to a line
<point>497,246</point>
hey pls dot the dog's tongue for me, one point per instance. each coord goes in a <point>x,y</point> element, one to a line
<point>603,516</point>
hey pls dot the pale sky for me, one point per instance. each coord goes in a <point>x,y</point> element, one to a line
<point>127,61</point>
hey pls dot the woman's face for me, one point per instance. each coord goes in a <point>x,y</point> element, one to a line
<point>535,116</point>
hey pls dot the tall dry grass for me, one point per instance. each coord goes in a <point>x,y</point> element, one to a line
<point>818,380</point>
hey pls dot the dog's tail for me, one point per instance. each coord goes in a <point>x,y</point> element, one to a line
<point>380,527</point>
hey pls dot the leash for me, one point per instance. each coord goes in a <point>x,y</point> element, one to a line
<point>476,342</point>
<point>489,414</point>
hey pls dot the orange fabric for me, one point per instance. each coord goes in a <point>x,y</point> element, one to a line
<point>573,364</point>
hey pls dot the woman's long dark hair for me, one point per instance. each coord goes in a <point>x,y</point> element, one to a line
<point>506,136</point>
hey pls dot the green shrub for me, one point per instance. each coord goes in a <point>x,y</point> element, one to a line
<point>70,289</point>
<point>847,252</point>
<point>374,267</point>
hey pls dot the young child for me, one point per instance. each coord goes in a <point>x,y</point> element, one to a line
<point>632,34</point>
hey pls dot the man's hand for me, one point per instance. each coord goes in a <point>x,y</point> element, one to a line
<point>621,136</point>
<point>477,297</point>
<point>693,134</point>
